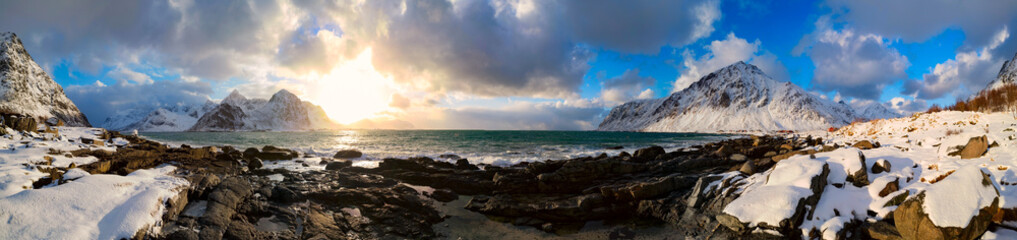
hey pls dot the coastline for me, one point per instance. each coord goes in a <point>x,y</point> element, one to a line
<point>716,190</point>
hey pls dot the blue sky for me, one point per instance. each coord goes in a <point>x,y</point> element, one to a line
<point>505,64</point>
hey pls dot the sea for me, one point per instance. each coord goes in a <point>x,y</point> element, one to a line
<point>479,146</point>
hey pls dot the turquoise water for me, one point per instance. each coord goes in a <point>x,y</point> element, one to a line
<point>480,146</point>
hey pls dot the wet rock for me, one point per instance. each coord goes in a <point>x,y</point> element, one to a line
<point>649,153</point>
<point>283,194</point>
<point>619,147</point>
<point>183,234</point>
<point>444,195</point>
<point>976,147</point>
<point>222,204</point>
<point>254,163</point>
<point>338,164</point>
<point>348,154</point>
<point>464,164</point>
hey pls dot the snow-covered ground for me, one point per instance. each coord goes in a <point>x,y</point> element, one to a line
<point>916,149</point>
<point>88,206</point>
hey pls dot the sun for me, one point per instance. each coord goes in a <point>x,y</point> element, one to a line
<point>353,91</point>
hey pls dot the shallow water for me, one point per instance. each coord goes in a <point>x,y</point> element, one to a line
<point>479,146</point>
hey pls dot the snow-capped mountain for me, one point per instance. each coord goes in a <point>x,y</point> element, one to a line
<point>874,110</point>
<point>162,119</point>
<point>26,89</point>
<point>736,97</point>
<point>283,112</point>
<point>1007,74</point>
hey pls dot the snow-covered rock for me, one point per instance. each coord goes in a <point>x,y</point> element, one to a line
<point>736,97</point>
<point>783,198</point>
<point>1007,74</point>
<point>283,112</point>
<point>26,89</point>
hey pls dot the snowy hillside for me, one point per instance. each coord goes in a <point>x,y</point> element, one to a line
<point>1007,74</point>
<point>25,88</point>
<point>283,112</point>
<point>736,97</point>
<point>874,110</point>
<point>162,119</point>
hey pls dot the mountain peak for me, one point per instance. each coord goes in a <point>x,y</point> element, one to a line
<point>283,95</point>
<point>235,98</point>
<point>1007,74</point>
<point>28,89</point>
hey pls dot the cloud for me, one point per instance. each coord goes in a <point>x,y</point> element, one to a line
<point>856,65</point>
<point>978,19</point>
<point>100,101</point>
<point>908,105</point>
<point>967,73</point>
<point>627,87</point>
<point>641,26</point>
<point>399,101</point>
<point>721,53</point>
<point>579,114</point>
<point>127,75</point>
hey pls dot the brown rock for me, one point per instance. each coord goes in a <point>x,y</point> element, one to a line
<point>882,230</point>
<point>890,188</point>
<point>880,166</point>
<point>914,223</point>
<point>976,147</point>
<point>748,168</point>
<point>649,153</point>
<point>864,144</point>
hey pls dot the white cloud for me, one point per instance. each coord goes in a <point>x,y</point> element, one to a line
<point>854,64</point>
<point>124,74</point>
<point>908,105</point>
<point>721,53</point>
<point>967,73</point>
<point>979,20</point>
<point>627,87</point>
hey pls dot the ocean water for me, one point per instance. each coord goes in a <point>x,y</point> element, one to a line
<point>479,146</point>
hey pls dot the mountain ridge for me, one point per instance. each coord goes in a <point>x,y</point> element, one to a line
<point>26,89</point>
<point>734,98</point>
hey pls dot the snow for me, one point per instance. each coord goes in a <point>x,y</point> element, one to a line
<point>25,88</point>
<point>86,206</point>
<point>953,201</point>
<point>92,207</point>
<point>734,98</point>
<point>1007,74</point>
<point>917,148</point>
<point>787,183</point>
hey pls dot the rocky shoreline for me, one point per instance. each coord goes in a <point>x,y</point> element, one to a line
<point>232,196</point>
<point>754,187</point>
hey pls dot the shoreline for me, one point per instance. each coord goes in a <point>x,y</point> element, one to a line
<point>717,190</point>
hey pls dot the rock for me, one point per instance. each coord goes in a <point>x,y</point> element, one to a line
<point>882,230</point>
<point>738,157</point>
<point>913,219</point>
<point>614,147</point>
<point>724,151</point>
<point>254,163</point>
<point>20,123</point>
<point>770,154</point>
<point>881,166</point>
<point>183,234</point>
<point>53,121</point>
<point>860,177</point>
<point>649,153</point>
<point>731,222</point>
<point>444,195</point>
<point>748,168</point>
<point>864,144</point>
<point>283,194</point>
<point>338,164</point>
<point>890,188</point>
<point>464,164</point>
<point>348,154</point>
<point>450,156</point>
<point>976,147</point>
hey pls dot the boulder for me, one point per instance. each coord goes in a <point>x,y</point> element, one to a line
<point>960,206</point>
<point>882,230</point>
<point>348,154</point>
<point>338,164</point>
<point>890,188</point>
<point>748,168</point>
<point>881,166</point>
<point>649,153</point>
<point>864,144</point>
<point>464,164</point>
<point>976,147</point>
<point>860,177</point>
<point>254,163</point>
<point>444,195</point>
<point>738,157</point>
<point>779,203</point>
<point>20,123</point>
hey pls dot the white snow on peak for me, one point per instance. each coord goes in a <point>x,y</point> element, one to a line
<point>733,98</point>
<point>874,110</point>
<point>1007,74</point>
<point>25,88</point>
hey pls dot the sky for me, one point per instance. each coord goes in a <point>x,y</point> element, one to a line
<point>504,64</point>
